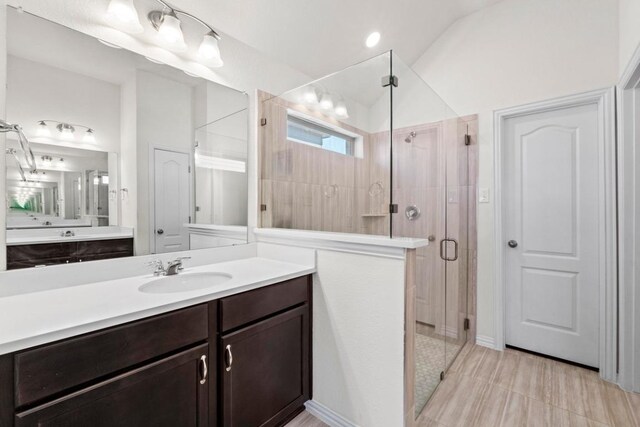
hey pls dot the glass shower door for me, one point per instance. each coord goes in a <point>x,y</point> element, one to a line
<point>430,180</point>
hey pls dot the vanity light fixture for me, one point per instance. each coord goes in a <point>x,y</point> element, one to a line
<point>66,131</point>
<point>47,160</point>
<point>122,14</point>
<point>372,39</point>
<point>169,28</point>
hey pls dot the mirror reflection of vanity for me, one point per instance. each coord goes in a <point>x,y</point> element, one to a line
<point>107,128</point>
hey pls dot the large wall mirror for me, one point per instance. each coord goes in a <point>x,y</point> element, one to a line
<point>118,155</point>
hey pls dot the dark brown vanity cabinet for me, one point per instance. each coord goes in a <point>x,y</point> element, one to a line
<point>242,361</point>
<point>33,255</point>
<point>264,370</point>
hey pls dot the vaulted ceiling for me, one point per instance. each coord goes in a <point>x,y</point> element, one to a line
<point>319,37</point>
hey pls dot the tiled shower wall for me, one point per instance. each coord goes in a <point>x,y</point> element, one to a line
<point>304,187</point>
<point>437,173</point>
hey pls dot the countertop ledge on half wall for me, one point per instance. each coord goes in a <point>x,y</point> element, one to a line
<point>358,243</point>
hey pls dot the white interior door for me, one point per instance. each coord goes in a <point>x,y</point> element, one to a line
<point>552,186</point>
<point>171,201</point>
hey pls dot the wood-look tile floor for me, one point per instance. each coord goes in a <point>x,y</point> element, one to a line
<point>489,388</point>
<point>305,419</point>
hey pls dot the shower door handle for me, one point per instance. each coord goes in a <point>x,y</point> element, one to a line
<point>443,246</point>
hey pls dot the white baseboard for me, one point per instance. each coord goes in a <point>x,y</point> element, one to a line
<point>326,415</point>
<point>485,341</point>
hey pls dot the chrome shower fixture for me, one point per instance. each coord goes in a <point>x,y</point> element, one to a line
<point>30,159</point>
<point>409,138</point>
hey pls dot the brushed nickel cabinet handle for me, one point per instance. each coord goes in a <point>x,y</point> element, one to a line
<point>228,358</point>
<point>205,371</point>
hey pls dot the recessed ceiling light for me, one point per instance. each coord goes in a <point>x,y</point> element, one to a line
<point>373,39</point>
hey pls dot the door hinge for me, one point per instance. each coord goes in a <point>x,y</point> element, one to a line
<point>263,208</point>
<point>467,139</point>
<point>466,324</point>
<point>189,219</point>
<point>189,169</point>
<point>442,376</point>
<point>390,80</point>
<point>263,121</point>
<point>393,208</point>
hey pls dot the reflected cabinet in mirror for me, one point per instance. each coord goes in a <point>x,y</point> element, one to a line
<point>109,154</point>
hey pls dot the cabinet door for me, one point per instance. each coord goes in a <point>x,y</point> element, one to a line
<point>264,370</point>
<point>171,392</point>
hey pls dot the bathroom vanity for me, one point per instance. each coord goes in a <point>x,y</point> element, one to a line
<point>241,360</point>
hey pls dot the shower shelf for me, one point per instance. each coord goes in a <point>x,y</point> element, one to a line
<point>374,215</point>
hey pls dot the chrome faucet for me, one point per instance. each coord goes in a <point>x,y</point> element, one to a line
<point>173,267</point>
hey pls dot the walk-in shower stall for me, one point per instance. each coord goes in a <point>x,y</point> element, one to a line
<point>373,149</point>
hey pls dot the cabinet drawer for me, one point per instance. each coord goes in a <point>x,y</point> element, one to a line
<point>238,310</point>
<point>48,370</point>
<point>167,393</point>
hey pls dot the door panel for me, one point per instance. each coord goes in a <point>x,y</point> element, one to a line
<point>171,196</point>
<point>552,216</point>
<point>263,370</point>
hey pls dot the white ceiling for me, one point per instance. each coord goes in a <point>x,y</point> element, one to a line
<point>319,37</point>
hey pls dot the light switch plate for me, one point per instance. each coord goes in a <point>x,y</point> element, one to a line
<point>483,195</point>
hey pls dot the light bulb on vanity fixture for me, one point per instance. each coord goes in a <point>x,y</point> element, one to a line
<point>43,129</point>
<point>122,14</point>
<point>209,51</point>
<point>326,102</point>
<point>341,110</point>
<point>310,95</point>
<point>66,130</point>
<point>169,30</point>
<point>89,136</point>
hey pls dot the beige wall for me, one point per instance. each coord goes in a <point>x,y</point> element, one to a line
<point>515,52</point>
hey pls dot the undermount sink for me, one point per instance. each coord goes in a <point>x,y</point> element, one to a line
<point>184,282</point>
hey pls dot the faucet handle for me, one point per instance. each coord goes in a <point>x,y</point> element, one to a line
<point>158,265</point>
<point>180,259</point>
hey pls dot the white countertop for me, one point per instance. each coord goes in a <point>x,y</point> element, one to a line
<point>52,235</point>
<point>37,318</point>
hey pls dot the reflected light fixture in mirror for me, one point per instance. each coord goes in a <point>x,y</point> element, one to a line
<point>341,110</point>
<point>326,103</point>
<point>66,131</point>
<point>89,136</point>
<point>310,96</point>
<point>43,130</point>
<point>122,14</point>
